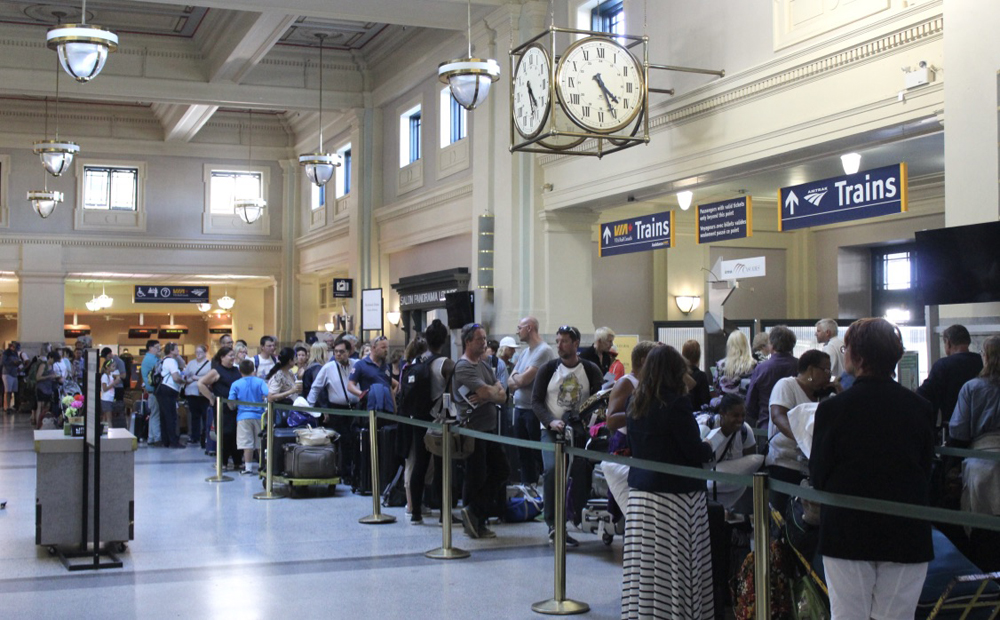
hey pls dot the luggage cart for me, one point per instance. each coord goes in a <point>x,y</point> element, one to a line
<point>294,484</point>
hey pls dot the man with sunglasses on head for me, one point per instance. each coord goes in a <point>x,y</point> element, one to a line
<point>329,390</point>
<point>373,370</point>
<point>561,387</point>
<point>476,393</point>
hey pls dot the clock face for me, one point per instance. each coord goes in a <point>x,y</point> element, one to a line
<point>530,106</point>
<point>600,84</point>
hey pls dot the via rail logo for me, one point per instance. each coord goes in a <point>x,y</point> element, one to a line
<point>638,234</point>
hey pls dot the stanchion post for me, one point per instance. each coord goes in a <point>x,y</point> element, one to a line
<point>559,605</point>
<point>761,546</point>
<point>268,492</point>
<point>218,477</point>
<point>446,551</point>
<point>376,517</point>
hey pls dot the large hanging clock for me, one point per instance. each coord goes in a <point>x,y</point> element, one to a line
<point>530,94</point>
<point>600,84</point>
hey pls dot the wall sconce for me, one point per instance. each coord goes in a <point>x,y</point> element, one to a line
<point>393,318</point>
<point>687,303</point>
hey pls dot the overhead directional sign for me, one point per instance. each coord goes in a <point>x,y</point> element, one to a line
<point>146,294</point>
<point>871,193</point>
<point>729,219</point>
<point>637,234</point>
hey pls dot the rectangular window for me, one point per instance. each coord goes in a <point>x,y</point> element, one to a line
<point>457,121</point>
<point>110,188</point>
<point>228,185</point>
<point>317,196</point>
<point>453,121</point>
<point>344,172</point>
<point>414,136</point>
<point>896,271</point>
<point>609,16</point>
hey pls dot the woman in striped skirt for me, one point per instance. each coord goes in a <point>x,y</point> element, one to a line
<point>668,562</point>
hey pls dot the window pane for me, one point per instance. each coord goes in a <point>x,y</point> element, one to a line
<point>123,189</point>
<point>95,188</point>
<point>347,171</point>
<point>414,137</point>
<point>228,186</point>
<point>897,272</point>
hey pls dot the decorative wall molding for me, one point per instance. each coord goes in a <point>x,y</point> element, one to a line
<point>784,77</point>
<point>141,243</point>
<point>795,21</point>
<point>410,177</point>
<point>423,202</point>
<point>453,158</point>
<point>436,214</point>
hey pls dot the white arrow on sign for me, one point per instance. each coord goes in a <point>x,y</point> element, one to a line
<point>607,234</point>
<point>791,202</point>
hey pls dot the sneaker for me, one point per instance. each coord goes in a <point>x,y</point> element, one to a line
<point>470,523</point>
<point>486,532</point>
<point>249,472</point>
<point>570,541</point>
<point>416,520</point>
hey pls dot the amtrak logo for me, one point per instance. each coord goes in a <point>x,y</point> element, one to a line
<point>815,196</point>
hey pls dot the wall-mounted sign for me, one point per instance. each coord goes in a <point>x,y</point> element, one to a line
<point>145,294</point>
<point>225,329</point>
<point>638,234</point>
<point>742,268</point>
<point>343,288</point>
<point>721,221</point>
<point>371,309</point>
<point>871,193</point>
<point>141,331</point>
<point>426,297</point>
<point>172,331</point>
<point>75,331</point>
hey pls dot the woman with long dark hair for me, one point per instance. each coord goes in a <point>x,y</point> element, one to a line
<point>216,384</point>
<point>167,393</point>
<point>668,563</point>
<point>281,385</point>
<point>976,421</point>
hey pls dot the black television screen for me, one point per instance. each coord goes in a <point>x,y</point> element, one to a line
<point>959,265</point>
<point>460,309</point>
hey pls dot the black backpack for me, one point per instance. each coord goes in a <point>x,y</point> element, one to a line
<point>415,387</point>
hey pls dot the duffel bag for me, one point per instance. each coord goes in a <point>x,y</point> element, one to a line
<point>522,506</point>
<point>310,461</point>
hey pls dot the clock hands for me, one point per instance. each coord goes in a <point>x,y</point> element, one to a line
<point>608,97</point>
<point>531,97</point>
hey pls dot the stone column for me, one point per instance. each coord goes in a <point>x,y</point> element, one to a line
<point>288,328</point>
<point>42,296</point>
<point>566,269</point>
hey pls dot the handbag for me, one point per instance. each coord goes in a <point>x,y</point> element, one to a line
<point>461,445</point>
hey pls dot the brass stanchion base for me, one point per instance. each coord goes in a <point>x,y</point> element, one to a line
<point>452,553</point>
<point>552,607</point>
<point>271,495</point>
<point>374,519</point>
<point>219,479</point>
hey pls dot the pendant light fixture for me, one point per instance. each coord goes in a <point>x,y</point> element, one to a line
<point>320,165</point>
<point>226,302</point>
<point>205,307</point>
<point>250,208</point>
<point>104,301</point>
<point>82,49</point>
<point>469,78</point>
<point>93,305</point>
<point>56,155</point>
<point>44,201</point>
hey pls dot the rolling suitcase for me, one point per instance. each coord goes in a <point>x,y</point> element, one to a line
<point>314,462</point>
<point>388,460</point>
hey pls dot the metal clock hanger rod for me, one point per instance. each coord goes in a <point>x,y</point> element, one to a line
<point>670,91</point>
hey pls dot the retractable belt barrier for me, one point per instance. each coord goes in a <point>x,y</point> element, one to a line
<point>759,482</point>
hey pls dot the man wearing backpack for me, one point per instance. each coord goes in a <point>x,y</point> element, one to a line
<point>149,374</point>
<point>264,361</point>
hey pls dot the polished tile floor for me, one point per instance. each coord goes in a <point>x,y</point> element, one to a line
<point>211,551</point>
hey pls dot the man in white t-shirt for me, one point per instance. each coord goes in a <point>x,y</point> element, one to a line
<point>561,387</point>
<point>521,381</point>
<point>264,361</point>
<point>832,345</point>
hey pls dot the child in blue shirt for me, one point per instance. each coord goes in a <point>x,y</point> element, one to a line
<point>249,389</point>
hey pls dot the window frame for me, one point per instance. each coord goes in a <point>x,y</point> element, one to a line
<point>230,223</point>
<point>453,119</point>
<point>342,178</point>
<point>111,171</point>
<point>407,132</point>
<point>109,219</point>
<point>883,297</point>
<point>603,15</point>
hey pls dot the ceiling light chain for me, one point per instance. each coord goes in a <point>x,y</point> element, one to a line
<point>469,78</point>
<point>320,165</point>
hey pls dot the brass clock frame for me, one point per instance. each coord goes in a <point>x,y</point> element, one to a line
<point>551,139</point>
<point>513,80</point>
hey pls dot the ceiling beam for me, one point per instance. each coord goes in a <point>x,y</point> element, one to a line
<point>182,122</point>
<point>445,14</point>
<point>239,43</point>
<point>17,81</point>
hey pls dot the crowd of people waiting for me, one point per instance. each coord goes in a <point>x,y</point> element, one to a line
<point>834,418</point>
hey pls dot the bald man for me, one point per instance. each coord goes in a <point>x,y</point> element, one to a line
<point>521,381</point>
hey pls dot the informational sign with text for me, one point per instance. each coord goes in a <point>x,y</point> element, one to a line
<point>722,221</point>
<point>872,193</point>
<point>637,234</point>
